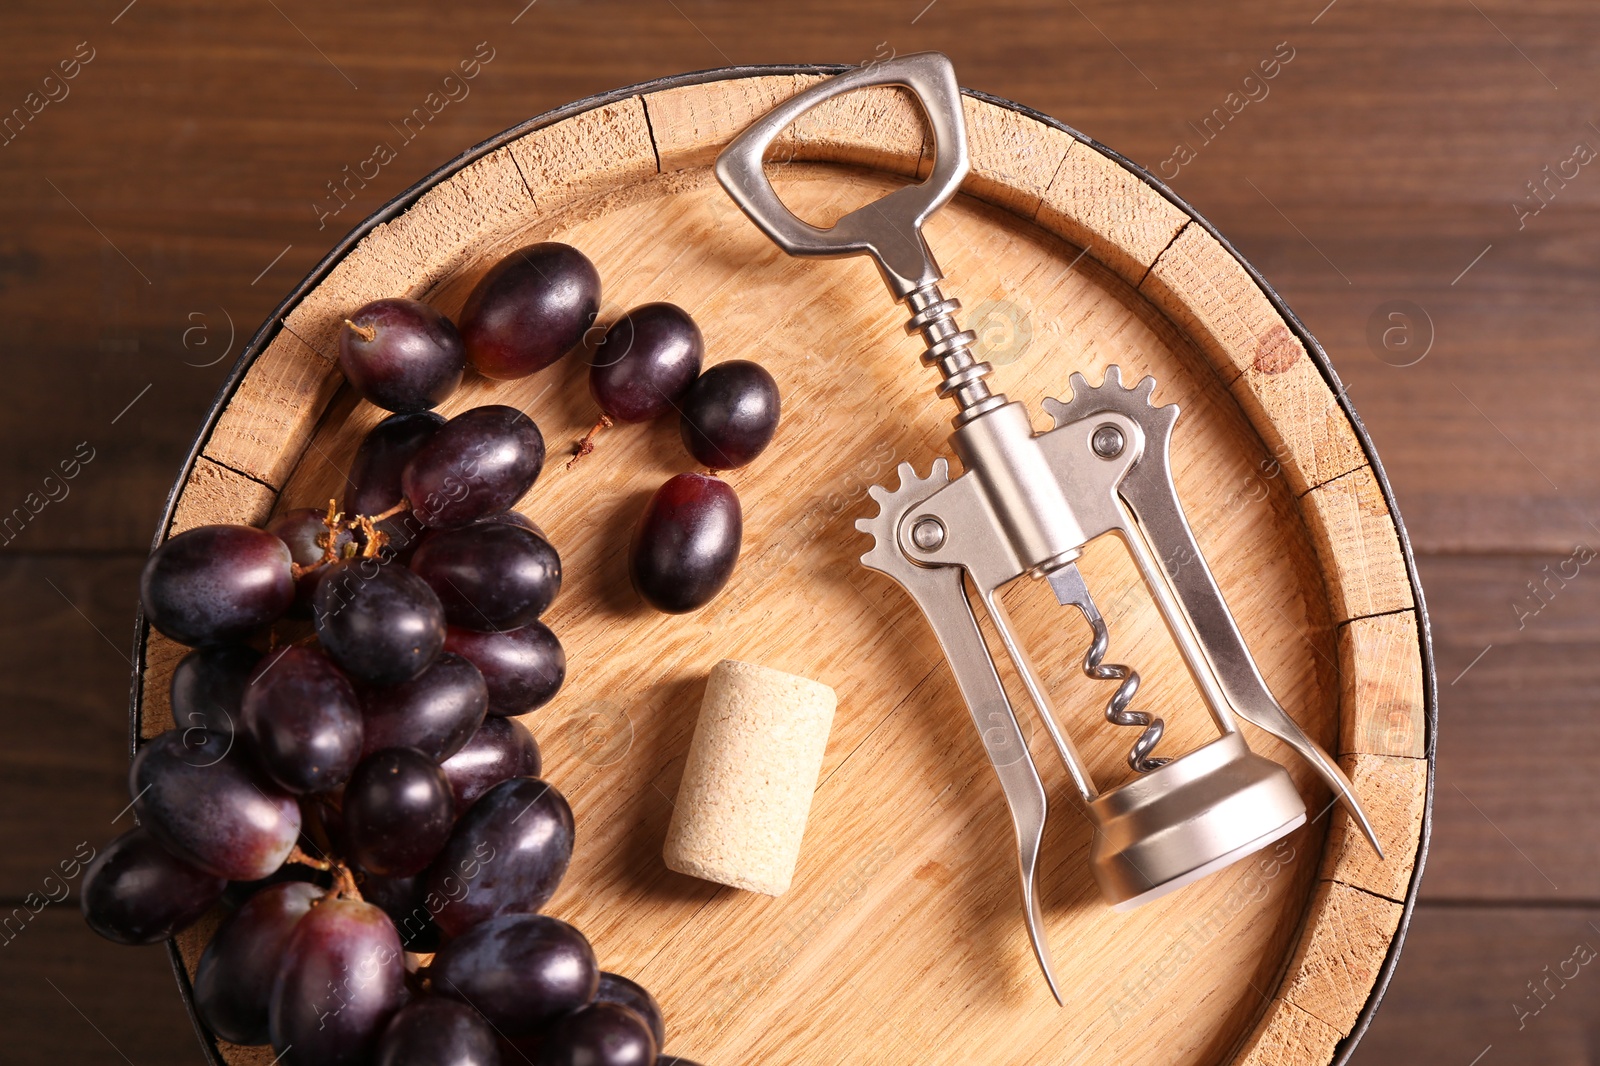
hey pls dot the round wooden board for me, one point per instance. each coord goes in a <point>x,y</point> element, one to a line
<point>902,938</point>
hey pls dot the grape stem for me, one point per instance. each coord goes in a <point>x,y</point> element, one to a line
<point>344,882</point>
<point>586,445</point>
<point>373,539</point>
<point>366,333</point>
<point>299,856</point>
<point>400,508</point>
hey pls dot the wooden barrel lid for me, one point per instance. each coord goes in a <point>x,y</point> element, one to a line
<point>902,938</point>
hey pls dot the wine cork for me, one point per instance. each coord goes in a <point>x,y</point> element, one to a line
<point>752,769</point>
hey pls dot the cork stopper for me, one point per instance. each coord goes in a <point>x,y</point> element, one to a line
<point>752,769</point>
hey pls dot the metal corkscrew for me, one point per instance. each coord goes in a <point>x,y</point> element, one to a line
<point>1026,504</point>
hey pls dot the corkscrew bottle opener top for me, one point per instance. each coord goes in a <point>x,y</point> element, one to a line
<point>1026,504</point>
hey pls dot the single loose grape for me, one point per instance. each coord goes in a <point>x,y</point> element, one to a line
<point>401,355</point>
<point>646,362</point>
<point>687,543</point>
<point>529,310</point>
<point>729,414</point>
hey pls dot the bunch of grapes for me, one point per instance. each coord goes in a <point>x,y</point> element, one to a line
<point>347,777</point>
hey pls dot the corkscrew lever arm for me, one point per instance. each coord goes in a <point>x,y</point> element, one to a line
<point>939,593</point>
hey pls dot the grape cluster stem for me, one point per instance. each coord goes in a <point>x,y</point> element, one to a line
<point>586,445</point>
<point>344,882</point>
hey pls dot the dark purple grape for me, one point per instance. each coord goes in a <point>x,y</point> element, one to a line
<point>233,983</point>
<point>437,1032</point>
<point>522,667</point>
<point>514,518</point>
<point>374,477</point>
<point>489,575</point>
<point>322,835</point>
<point>208,688</point>
<point>398,811</point>
<point>645,364</point>
<point>511,849</point>
<point>238,893</point>
<point>435,712</point>
<point>403,533</point>
<point>206,802</point>
<point>687,543</point>
<point>215,584</point>
<point>615,988</point>
<point>520,970</point>
<point>502,748</point>
<point>479,463</point>
<point>137,892</point>
<point>529,310</point>
<point>341,978</point>
<point>730,414</point>
<point>401,355</point>
<point>601,1034</point>
<point>303,720</point>
<point>381,624</point>
<point>405,901</point>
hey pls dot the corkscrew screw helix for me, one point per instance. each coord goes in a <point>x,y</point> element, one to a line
<point>1026,504</point>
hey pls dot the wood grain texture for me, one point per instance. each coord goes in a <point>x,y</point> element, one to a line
<point>875,128</point>
<point>1347,934</point>
<point>69,623</point>
<point>399,258</point>
<point>1394,792</point>
<point>1205,290</point>
<point>836,941</point>
<point>1202,286</point>
<point>1381,687</point>
<point>1521,749</point>
<point>270,418</point>
<point>1366,574</point>
<point>78,988</point>
<point>1014,161</point>
<point>161,657</point>
<point>1289,1034</point>
<point>218,494</point>
<point>1102,207</point>
<point>1467,984</point>
<point>586,154</point>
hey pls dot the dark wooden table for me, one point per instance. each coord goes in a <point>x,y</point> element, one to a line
<point>1416,181</point>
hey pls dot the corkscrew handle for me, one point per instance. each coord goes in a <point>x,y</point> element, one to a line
<point>890,229</point>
